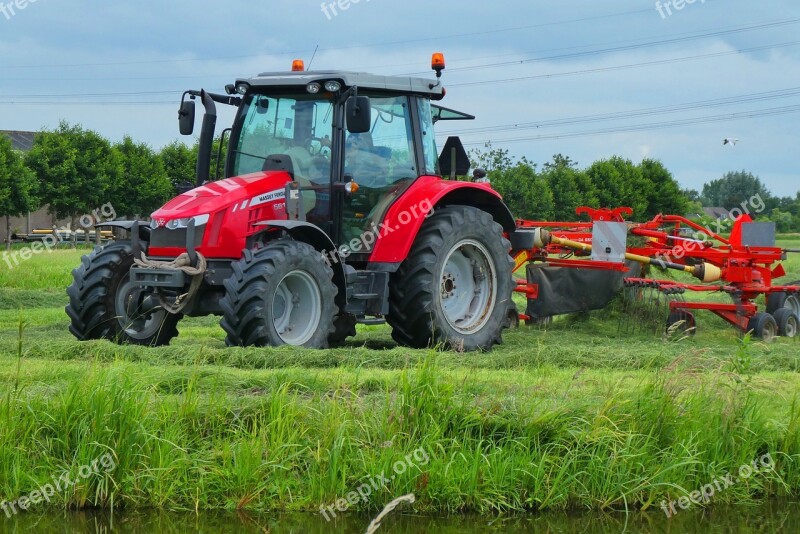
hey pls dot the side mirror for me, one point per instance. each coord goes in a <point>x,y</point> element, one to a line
<point>186,117</point>
<point>359,114</point>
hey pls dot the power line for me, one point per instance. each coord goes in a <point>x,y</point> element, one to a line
<point>438,38</point>
<point>650,126</point>
<point>626,66</point>
<point>675,108</point>
<point>662,42</point>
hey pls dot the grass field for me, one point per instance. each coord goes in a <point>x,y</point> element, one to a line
<point>574,416</point>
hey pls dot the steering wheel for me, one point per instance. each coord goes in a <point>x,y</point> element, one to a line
<point>319,146</point>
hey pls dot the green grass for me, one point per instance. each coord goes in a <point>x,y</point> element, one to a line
<point>574,416</point>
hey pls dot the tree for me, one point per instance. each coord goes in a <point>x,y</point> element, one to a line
<point>143,185</point>
<point>492,159</point>
<point>76,169</point>
<point>525,192</point>
<point>17,185</point>
<point>734,190</point>
<point>180,163</point>
<point>664,195</point>
<point>571,187</point>
<point>620,183</point>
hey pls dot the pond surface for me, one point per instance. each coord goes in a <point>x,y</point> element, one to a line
<point>767,518</point>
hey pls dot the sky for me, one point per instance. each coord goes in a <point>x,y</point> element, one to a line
<point>667,80</point>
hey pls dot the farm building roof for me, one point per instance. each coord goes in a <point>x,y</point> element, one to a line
<point>20,140</point>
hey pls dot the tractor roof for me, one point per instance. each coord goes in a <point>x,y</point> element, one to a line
<point>403,84</point>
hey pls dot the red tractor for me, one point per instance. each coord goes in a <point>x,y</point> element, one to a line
<point>333,211</point>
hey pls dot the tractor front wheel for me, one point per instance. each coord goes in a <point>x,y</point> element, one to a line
<point>455,286</point>
<point>282,294</point>
<point>104,304</point>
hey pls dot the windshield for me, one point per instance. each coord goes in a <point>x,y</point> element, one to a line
<point>298,126</point>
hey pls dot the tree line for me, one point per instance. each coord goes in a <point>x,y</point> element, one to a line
<point>73,171</point>
<point>553,191</point>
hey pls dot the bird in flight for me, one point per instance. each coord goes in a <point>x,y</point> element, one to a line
<point>729,141</point>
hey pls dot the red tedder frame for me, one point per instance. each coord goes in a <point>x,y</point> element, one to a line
<point>747,271</point>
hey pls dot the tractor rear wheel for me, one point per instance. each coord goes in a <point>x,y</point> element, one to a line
<point>455,286</point>
<point>282,294</point>
<point>763,326</point>
<point>103,304</point>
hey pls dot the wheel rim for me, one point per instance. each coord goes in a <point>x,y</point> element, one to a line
<point>791,327</point>
<point>296,308</point>
<point>468,287</point>
<point>793,303</point>
<point>769,332</point>
<point>136,322</point>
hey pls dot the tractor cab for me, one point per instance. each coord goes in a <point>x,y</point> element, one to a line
<point>354,141</point>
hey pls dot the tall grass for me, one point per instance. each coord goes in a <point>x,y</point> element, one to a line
<point>185,439</point>
<point>573,416</point>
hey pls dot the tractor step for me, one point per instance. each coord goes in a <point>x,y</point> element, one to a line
<point>367,293</point>
<point>371,322</point>
<point>365,296</point>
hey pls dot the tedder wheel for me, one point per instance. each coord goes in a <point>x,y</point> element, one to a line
<point>103,304</point>
<point>776,301</point>
<point>681,321</point>
<point>763,326</point>
<point>282,294</point>
<point>787,322</point>
<point>455,286</point>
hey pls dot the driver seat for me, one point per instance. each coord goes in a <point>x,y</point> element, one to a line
<point>286,163</point>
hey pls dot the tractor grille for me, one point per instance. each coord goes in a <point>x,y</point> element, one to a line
<point>165,238</point>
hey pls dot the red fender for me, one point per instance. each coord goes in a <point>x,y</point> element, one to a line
<point>405,217</point>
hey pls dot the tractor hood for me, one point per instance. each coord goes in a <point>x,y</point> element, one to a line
<point>222,194</point>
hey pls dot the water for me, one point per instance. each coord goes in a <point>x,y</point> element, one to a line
<point>767,518</point>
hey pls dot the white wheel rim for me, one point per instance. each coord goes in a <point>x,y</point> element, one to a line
<point>793,303</point>
<point>468,287</point>
<point>791,327</point>
<point>142,326</point>
<point>296,308</point>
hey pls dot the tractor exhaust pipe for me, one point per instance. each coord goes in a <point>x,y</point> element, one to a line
<point>706,272</point>
<point>203,170</point>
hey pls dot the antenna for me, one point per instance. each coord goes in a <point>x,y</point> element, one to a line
<point>312,57</point>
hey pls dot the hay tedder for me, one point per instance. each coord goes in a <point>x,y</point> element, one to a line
<point>581,266</point>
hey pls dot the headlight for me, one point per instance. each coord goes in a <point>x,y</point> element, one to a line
<point>176,224</point>
<point>313,88</point>
<point>333,86</point>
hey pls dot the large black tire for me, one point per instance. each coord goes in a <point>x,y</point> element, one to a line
<point>427,292</point>
<point>787,322</point>
<point>282,294</point>
<point>763,326</point>
<point>97,298</point>
<point>776,301</point>
<point>344,327</point>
